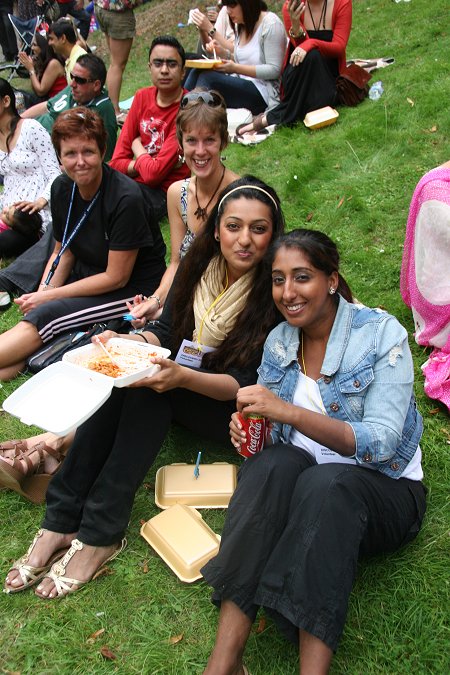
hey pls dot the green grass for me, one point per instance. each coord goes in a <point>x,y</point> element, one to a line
<point>372,159</point>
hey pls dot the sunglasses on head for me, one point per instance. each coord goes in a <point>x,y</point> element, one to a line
<point>80,80</point>
<point>208,97</point>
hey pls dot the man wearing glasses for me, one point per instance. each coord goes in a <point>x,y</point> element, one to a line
<point>86,88</point>
<point>147,148</point>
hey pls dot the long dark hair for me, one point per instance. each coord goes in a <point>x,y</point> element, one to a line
<point>44,57</point>
<point>259,314</point>
<point>251,10</point>
<point>7,90</point>
<point>321,252</point>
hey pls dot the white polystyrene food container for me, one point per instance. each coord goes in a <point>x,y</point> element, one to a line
<point>123,351</point>
<point>66,394</point>
<point>323,117</point>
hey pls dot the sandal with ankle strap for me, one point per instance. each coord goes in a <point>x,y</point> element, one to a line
<point>65,585</point>
<point>29,481</point>
<point>29,574</point>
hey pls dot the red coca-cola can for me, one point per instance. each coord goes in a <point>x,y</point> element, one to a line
<point>255,431</point>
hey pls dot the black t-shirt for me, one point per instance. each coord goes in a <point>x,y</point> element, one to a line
<point>119,221</point>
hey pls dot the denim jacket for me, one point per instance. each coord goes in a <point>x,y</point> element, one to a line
<point>366,380</point>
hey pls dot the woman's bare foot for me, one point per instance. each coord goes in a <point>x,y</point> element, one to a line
<point>85,562</point>
<point>47,545</point>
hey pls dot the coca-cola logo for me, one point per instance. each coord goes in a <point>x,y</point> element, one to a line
<point>255,430</point>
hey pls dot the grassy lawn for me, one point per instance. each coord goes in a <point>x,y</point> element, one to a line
<point>354,180</point>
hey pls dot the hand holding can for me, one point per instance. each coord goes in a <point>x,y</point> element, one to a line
<point>254,427</point>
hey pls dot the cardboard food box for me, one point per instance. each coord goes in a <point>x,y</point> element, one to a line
<point>323,117</point>
<point>177,484</point>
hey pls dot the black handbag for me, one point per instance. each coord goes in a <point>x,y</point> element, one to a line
<point>53,351</point>
<point>352,85</point>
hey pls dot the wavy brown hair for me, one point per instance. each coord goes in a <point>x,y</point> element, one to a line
<point>259,315</point>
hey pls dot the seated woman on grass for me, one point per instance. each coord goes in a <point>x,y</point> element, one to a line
<point>318,34</point>
<point>202,131</point>
<point>220,299</point>
<point>203,134</point>
<point>341,473</point>
<point>105,250</point>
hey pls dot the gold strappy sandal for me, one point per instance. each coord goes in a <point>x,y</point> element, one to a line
<point>31,575</point>
<point>65,585</point>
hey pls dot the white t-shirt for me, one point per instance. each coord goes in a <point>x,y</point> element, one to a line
<point>250,55</point>
<point>307,395</point>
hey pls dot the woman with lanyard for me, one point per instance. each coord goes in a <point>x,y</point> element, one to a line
<point>105,251</point>
<point>318,33</point>
<point>215,321</point>
<point>202,131</point>
<point>341,472</point>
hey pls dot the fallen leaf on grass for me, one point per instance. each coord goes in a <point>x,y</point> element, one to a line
<point>434,411</point>
<point>92,638</point>
<point>348,198</point>
<point>433,129</point>
<point>410,101</point>
<point>145,568</point>
<point>142,521</point>
<point>175,639</point>
<point>102,572</point>
<point>309,216</point>
<point>261,625</point>
<point>149,486</point>
<point>341,201</point>
<point>108,654</point>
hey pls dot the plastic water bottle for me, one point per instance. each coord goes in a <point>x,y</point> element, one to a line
<point>376,90</point>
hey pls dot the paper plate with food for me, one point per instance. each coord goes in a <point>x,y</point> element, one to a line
<point>202,63</point>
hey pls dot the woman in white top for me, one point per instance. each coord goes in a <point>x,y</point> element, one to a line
<point>250,76</point>
<point>28,164</point>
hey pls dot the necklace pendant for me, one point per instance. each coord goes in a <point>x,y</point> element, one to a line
<point>200,213</point>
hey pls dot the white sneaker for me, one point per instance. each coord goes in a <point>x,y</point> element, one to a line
<point>5,300</point>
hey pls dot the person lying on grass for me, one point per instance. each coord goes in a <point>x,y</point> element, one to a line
<point>341,473</point>
<point>219,301</point>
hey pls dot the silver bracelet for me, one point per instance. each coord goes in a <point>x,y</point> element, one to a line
<point>155,297</point>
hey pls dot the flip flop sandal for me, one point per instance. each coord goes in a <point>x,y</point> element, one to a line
<point>383,63</point>
<point>66,585</point>
<point>31,575</point>
<point>258,126</point>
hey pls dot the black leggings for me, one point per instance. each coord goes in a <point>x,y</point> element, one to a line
<point>294,532</point>
<point>94,490</point>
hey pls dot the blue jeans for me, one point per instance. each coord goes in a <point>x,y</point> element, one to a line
<point>237,92</point>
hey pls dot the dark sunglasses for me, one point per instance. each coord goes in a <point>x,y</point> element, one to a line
<point>80,80</point>
<point>172,64</point>
<point>208,97</point>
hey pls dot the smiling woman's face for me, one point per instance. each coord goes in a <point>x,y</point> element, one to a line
<point>300,291</point>
<point>245,232</point>
<point>201,148</point>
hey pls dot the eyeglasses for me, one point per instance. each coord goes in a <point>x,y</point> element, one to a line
<point>80,80</point>
<point>172,64</point>
<point>208,97</point>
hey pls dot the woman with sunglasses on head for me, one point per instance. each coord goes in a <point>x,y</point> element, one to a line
<point>106,247</point>
<point>318,33</point>
<point>29,166</point>
<point>341,473</point>
<point>202,131</point>
<point>220,302</point>
<point>250,76</point>
<point>46,71</point>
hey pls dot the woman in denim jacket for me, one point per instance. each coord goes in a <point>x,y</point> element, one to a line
<point>340,475</point>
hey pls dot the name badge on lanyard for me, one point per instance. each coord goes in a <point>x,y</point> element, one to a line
<point>190,354</point>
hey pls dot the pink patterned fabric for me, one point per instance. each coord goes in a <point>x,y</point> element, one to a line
<point>425,276</point>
